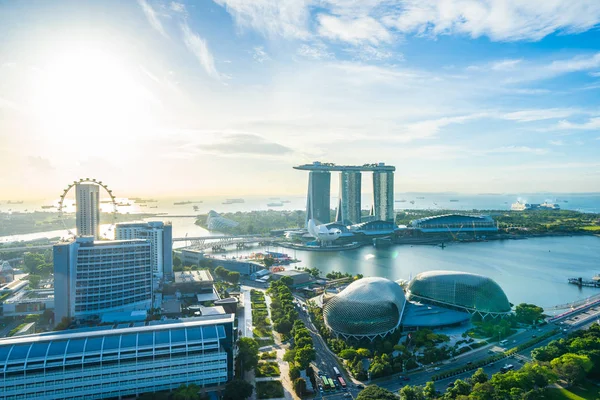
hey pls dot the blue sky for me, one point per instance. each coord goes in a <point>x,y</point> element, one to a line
<point>224,96</point>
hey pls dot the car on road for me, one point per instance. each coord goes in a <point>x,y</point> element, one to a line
<point>404,378</point>
<point>360,386</point>
<point>451,384</point>
<point>470,363</point>
<point>436,369</point>
<point>347,394</point>
<point>534,336</point>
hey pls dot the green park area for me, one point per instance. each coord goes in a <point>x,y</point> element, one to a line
<point>583,391</point>
<point>269,390</point>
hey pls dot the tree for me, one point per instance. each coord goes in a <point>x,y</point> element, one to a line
<point>189,392</point>
<point>479,377</point>
<point>373,392</point>
<point>248,353</point>
<point>64,323</point>
<point>412,393</point>
<point>268,261</point>
<point>34,281</point>
<point>294,373</point>
<point>483,391</point>
<point>429,390</point>
<point>571,367</point>
<point>460,388</point>
<point>304,356</point>
<point>364,353</point>
<point>233,277</point>
<point>289,355</point>
<point>528,313</point>
<point>237,389</point>
<point>300,386</point>
<point>287,281</point>
<point>348,354</point>
<point>176,262</point>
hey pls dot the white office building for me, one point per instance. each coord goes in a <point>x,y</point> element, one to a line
<point>98,363</point>
<point>160,236</point>
<point>94,277</point>
<point>87,197</point>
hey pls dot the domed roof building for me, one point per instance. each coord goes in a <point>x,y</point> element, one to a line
<point>215,222</point>
<point>367,308</point>
<point>473,293</point>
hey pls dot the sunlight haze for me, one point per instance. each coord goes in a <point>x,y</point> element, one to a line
<point>222,98</point>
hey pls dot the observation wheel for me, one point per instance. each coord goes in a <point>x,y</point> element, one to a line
<point>61,202</point>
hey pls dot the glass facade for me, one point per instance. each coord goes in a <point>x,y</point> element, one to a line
<point>318,200</point>
<point>369,307</point>
<point>95,277</point>
<point>87,217</point>
<point>350,198</point>
<point>97,364</point>
<point>474,293</point>
<point>383,195</point>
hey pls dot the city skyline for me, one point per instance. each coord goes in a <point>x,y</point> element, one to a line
<point>477,98</point>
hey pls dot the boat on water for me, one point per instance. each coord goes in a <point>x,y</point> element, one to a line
<point>153,206</point>
<point>286,201</point>
<point>181,203</point>
<point>278,204</point>
<point>453,200</point>
<point>195,208</point>
<point>15,202</point>
<point>47,207</point>
<point>234,201</point>
<point>401,201</point>
<point>420,197</point>
<point>122,204</point>
<point>412,202</point>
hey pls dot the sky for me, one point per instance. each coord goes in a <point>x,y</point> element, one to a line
<point>223,97</point>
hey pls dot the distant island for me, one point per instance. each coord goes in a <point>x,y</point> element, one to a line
<point>524,223</point>
<point>24,223</point>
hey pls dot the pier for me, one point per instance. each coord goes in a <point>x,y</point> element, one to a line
<point>585,282</point>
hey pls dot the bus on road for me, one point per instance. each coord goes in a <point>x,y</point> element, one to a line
<point>507,368</point>
<point>342,382</point>
<point>337,371</point>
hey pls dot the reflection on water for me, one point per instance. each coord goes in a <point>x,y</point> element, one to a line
<point>533,270</point>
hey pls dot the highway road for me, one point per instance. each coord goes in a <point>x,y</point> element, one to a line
<point>580,319</point>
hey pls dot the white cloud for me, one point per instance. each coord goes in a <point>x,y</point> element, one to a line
<point>505,65</point>
<point>371,53</point>
<point>517,149</point>
<point>500,20</point>
<point>152,17</point>
<point>595,74</point>
<point>260,55</point>
<point>539,114</point>
<point>177,7</point>
<point>286,18</point>
<point>199,48</point>
<point>591,124</point>
<point>353,30</point>
<point>556,142</point>
<point>578,63</point>
<point>316,51</point>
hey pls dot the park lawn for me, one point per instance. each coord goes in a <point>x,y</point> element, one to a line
<point>269,368</point>
<point>583,391</point>
<point>593,228</point>
<point>269,390</point>
<point>262,331</point>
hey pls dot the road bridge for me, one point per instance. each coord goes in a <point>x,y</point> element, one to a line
<point>574,304</point>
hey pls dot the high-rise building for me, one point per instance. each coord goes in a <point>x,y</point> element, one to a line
<point>318,199</point>
<point>383,195</point>
<point>348,211</point>
<point>160,236</point>
<point>103,363</point>
<point>94,277</point>
<point>87,198</point>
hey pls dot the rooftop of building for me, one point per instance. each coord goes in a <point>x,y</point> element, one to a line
<point>84,333</point>
<point>201,276</point>
<point>453,218</point>
<point>319,166</point>
<point>84,241</point>
<point>291,272</point>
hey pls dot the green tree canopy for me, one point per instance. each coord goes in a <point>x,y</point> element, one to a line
<point>189,392</point>
<point>248,353</point>
<point>373,392</point>
<point>528,313</point>
<point>571,367</point>
<point>300,386</point>
<point>412,393</point>
<point>237,389</point>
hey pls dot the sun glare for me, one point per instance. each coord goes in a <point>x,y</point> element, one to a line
<point>85,92</point>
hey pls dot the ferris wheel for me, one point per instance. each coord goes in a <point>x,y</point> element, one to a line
<point>61,202</point>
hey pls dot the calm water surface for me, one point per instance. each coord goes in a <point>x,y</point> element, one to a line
<point>531,270</point>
